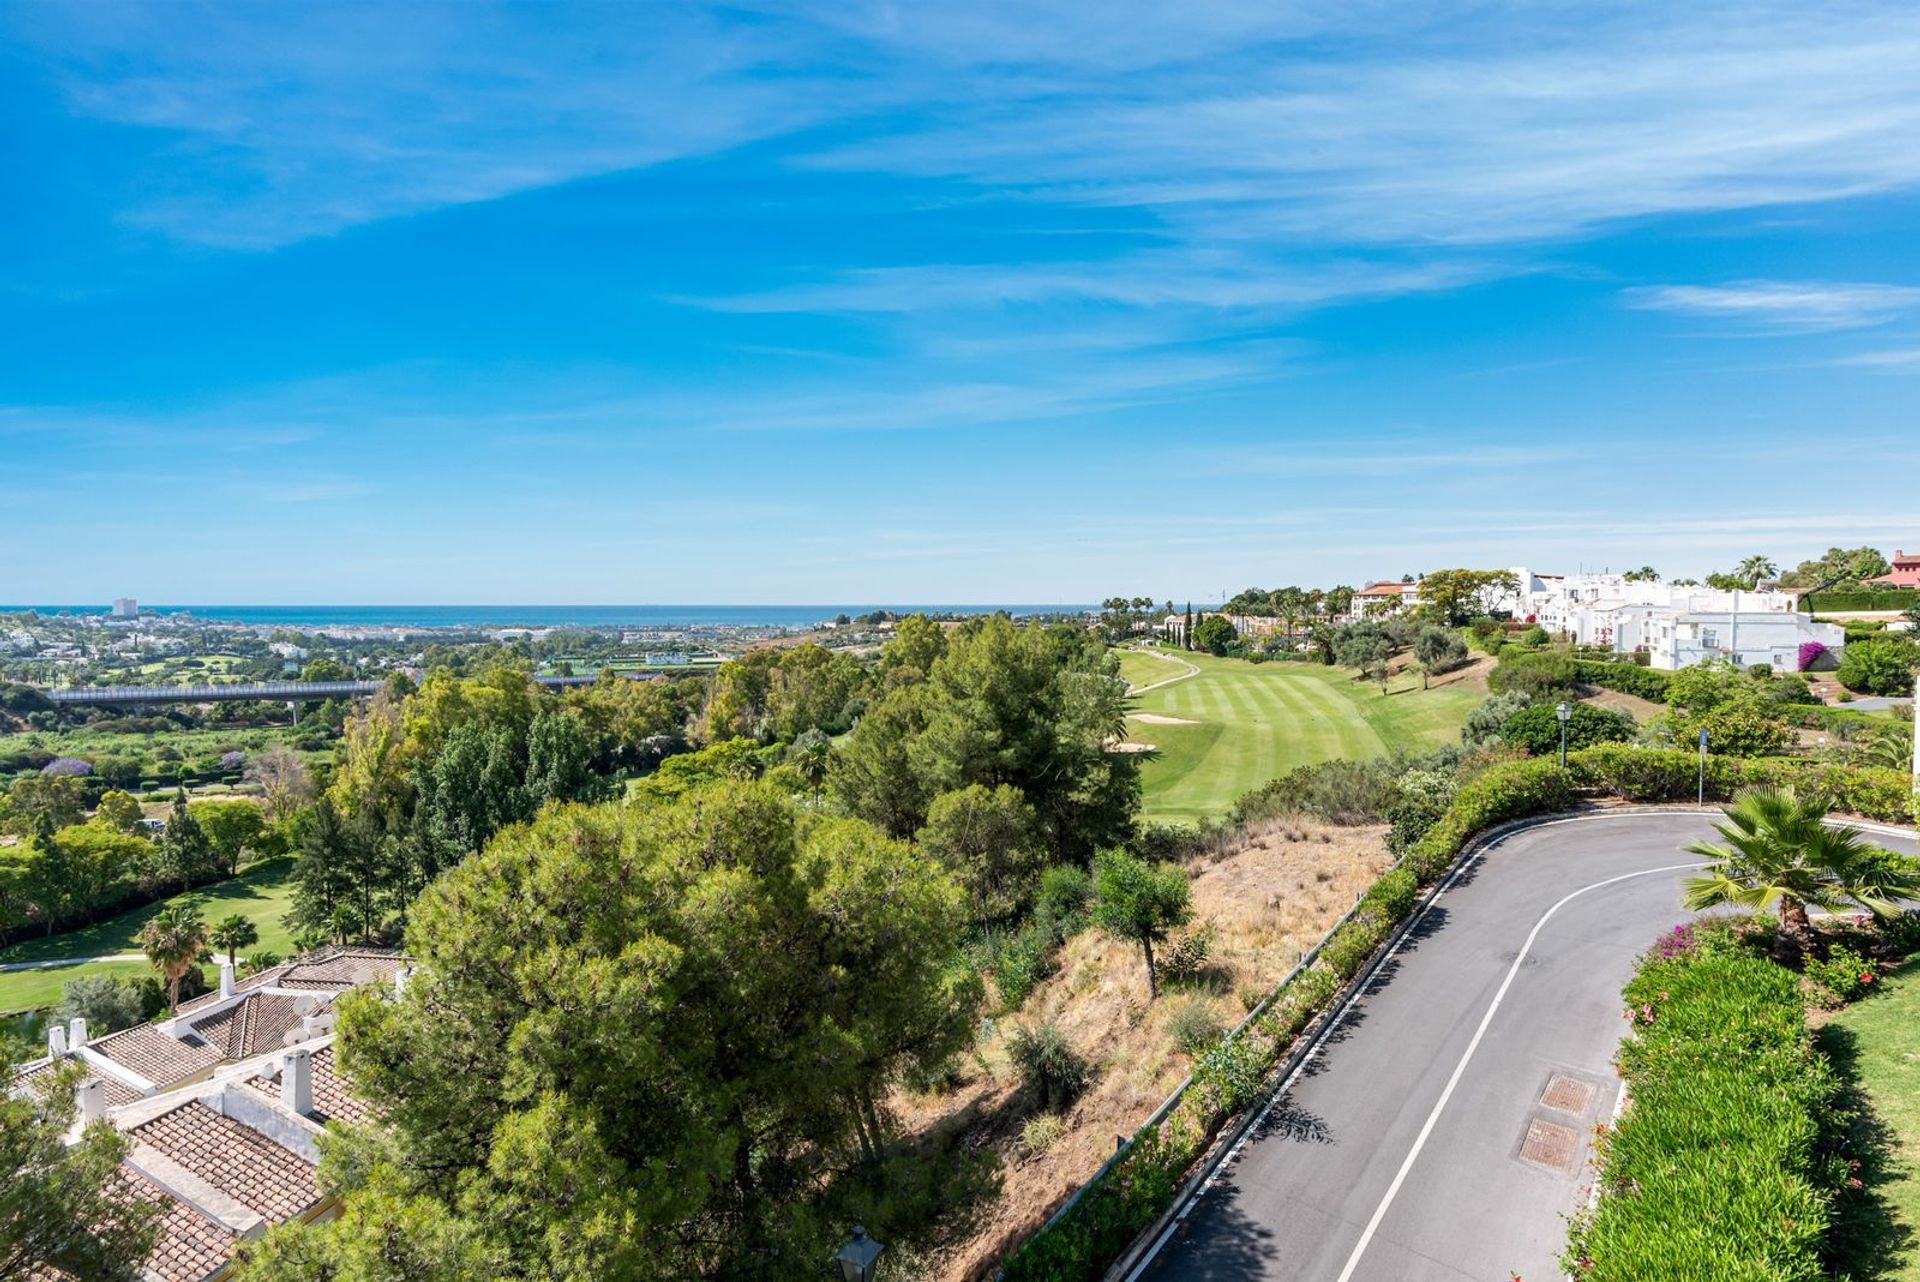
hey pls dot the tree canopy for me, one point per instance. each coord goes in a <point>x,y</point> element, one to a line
<point>644,1042</point>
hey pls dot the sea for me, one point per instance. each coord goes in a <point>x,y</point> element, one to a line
<point>545,616</point>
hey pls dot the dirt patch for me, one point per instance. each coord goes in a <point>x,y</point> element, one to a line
<point>1156,719</point>
<point>1639,709</point>
<point>1269,896</point>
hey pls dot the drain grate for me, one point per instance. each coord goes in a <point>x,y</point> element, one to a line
<point>1567,1094</point>
<point>1551,1145</point>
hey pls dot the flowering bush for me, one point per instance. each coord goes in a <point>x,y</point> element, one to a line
<point>231,761</point>
<point>1810,654</point>
<point>68,767</point>
<point>1726,1128</point>
<point>1845,976</point>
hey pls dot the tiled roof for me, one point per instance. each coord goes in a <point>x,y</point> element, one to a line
<point>118,1092</point>
<point>239,1161</point>
<point>258,1023</point>
<point>344,967</point>
<point>189,1247</point>
<point>155,1056</point>
<point>333,1096</point>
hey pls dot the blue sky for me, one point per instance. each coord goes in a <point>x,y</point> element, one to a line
<point>985,302</point>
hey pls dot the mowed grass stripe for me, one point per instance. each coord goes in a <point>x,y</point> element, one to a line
<point>1259,721</point>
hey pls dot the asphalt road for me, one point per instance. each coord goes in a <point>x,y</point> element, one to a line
<point>1442,1131</point>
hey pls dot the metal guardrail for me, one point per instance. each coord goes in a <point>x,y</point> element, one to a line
<point>1125,1146</point>
<point>285,691</point>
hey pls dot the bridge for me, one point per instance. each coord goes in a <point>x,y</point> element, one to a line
<point>278,691</point>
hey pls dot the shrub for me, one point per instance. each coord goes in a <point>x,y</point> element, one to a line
<point>1342,792</point>
<point>1548,675</point>
<point>1844,976</point>
<point>68,768</point>
<point>1882,666</point>
<point>1186,958</point>
<point>1811,652</point>
<point>1628,678</point>
<point>1728,1097</point>
<point>1042,1133</point>
<point>1744,728</point>
<point>1863,599</point>
<point>1023,961</point>
<point>1227,1077</point>
<point>1065,892</point>
<point>1490,716</point>
<point>1534,637</point>
<point>1537,729</point>
<point>1048,1064</point>
<point>1192,1026</point>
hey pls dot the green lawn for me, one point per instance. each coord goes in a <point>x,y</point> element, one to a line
<point>1145,667</point>
<point>1251,722</point>
<point>263,893</point>
<point>1883,1045</point>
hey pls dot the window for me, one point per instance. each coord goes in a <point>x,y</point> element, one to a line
<point>1709,638</point>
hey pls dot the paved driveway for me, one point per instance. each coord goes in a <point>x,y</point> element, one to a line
<point>1442,1131</point>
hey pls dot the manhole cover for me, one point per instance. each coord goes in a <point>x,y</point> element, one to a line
<point>1567,1094</point>
<point>1551,1145</point>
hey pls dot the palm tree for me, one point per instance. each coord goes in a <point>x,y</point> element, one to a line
<point>1779,852</point>
<point>174,939</point>
<point>233,933</point>
<point>1756,568</point>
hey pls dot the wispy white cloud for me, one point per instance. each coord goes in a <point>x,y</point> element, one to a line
<point>1900,361</point>
<point>1784,306</point>
<point>296,121</point>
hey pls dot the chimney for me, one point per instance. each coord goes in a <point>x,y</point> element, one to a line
<point>226,979</point>
<point>56,1041</point>
<point>76,1032</point>
<point>296,1082</point>
<point>93,1100</point>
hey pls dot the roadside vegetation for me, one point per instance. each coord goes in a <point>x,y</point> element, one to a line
<point>1742,1110</point>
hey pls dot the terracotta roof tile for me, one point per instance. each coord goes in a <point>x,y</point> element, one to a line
<point>333,1097</point>
<point>118,1092</point>
<point>258,1023</point>
<point>155,1056</point>
<point>237,1160</point>
<point>189,1247</point>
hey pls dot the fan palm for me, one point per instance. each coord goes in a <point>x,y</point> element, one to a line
<point>1755,568</point>
<point>233,933</point>
<point>173,940</point>
<point>1779,853</point>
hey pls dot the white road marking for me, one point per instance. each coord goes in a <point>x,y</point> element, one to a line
<point>1420,1142</point>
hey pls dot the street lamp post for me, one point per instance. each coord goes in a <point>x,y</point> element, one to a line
<point>856,1258</point>
<point>1703,765</point>
<point>1565,713</point>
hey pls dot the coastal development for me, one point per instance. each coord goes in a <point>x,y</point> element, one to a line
<point>1265,643</point>
<point>1203,871</point>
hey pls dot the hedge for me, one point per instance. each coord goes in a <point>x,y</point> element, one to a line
<point>1863,599</point>
<point>1141,1183</point>
<point>1670,774</point>
<point>1627,678</point>
<point>1717,1170</point>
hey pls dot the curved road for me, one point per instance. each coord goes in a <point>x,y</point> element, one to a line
<point>1440,1131</point>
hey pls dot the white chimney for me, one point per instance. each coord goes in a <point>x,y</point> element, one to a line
<point>56,1041</point>
<point>93,1100</point>
<point>77,1032</point>
<point>296,1082</point>
<point>226,979</point>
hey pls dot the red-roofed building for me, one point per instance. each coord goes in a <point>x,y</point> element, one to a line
<point>1905,572</point>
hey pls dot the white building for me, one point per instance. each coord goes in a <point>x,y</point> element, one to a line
<point>1674,625</point>
<point>126,608</point>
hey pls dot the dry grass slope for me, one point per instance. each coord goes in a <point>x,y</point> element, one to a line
<point>1269,895</point>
